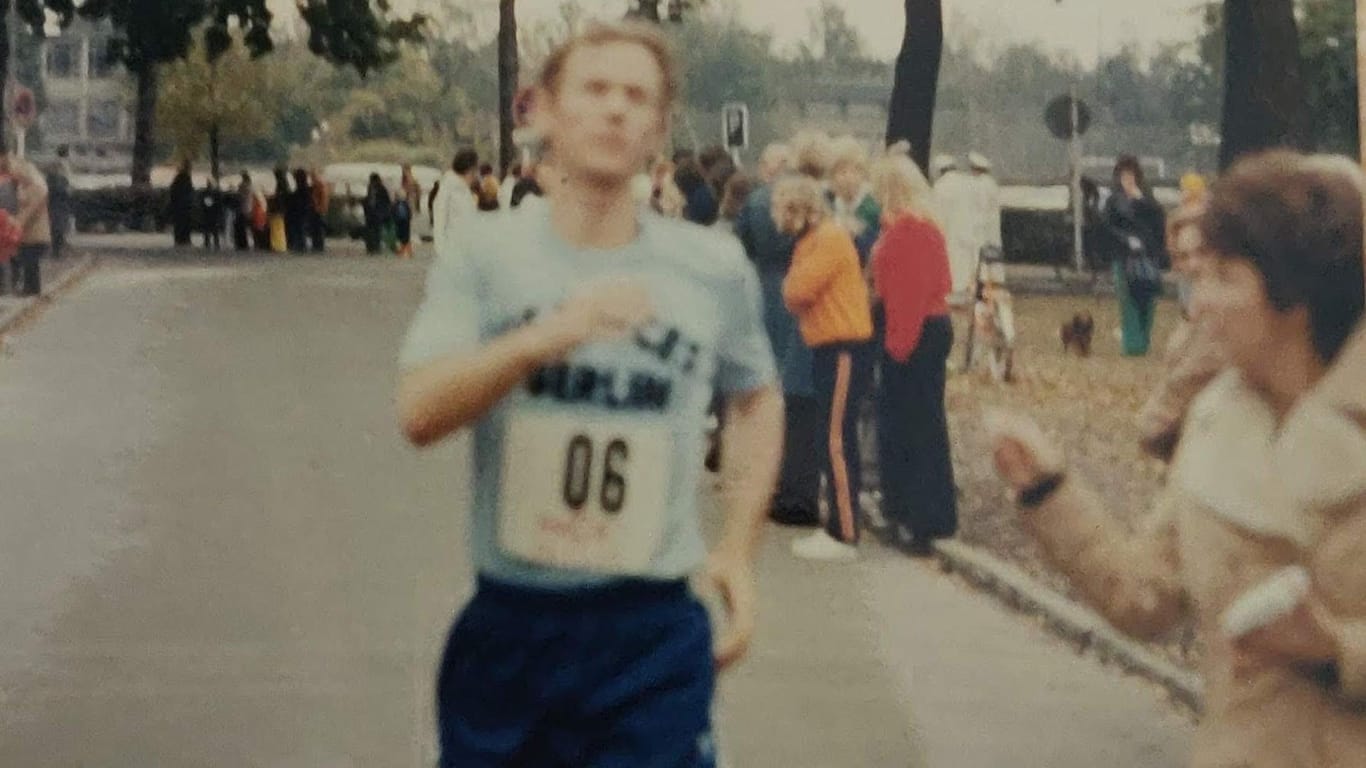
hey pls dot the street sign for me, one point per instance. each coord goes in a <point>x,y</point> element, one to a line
<point>23,113</point>
<point>23,107</point>
<point>1067,118</point>
<point>735,125</point>
<point>1058,117</point>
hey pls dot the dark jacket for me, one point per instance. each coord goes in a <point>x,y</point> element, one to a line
<point>182,195</point>
<point>378,205</point>
<point>771,253</point>
<point>1143,218</point>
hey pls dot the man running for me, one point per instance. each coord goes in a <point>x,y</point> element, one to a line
<point>582,340</point>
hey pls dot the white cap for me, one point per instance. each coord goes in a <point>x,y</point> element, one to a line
<point>942,163</point>
<point>978,161</point>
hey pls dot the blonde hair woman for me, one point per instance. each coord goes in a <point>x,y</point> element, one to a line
<point>824,289</point>
<point>910,268</point>
<point>850,197</point>
<point>811,154</point>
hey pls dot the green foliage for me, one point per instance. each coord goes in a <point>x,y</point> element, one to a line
<point>1327,30</point>
<point>363,34</point>
<point>834,49</point>
<point>199,93</point>
<point>359,33</point>
<point>1328,51</point>
<point>152,32</point>
<point>721,61</point>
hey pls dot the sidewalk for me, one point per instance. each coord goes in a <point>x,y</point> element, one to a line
<point>161,242</point>
<point>891,662</point>
<point>1022,278</point>
<point>56,274</point>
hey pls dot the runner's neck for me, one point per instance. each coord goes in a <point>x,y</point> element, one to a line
<point>591,216</point>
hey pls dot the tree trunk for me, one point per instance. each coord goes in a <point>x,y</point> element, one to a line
<point>911,113</point>
<point>214,131</point>
<point>1264,102</point>
<point>144,126</point>
<point>507,82</point>
<point>4,73</point>
<point>1361,80</point>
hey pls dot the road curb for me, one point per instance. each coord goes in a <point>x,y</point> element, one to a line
<point>13,317</point>
<point>1077,624</point>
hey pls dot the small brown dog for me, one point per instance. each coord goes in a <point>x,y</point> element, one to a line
<point>1076,335</point>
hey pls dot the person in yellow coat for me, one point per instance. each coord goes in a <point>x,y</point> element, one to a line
<point>275,209</point>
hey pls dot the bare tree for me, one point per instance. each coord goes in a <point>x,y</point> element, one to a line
<point>911,113</point>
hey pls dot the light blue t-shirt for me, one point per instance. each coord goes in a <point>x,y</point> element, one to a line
<point>617,430</point>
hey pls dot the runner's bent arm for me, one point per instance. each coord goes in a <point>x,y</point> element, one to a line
<point>453,392</point>
<point>452,376</point>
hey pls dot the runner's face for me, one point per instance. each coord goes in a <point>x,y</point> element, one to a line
<point>607,118</point>
<point>1230,298</point>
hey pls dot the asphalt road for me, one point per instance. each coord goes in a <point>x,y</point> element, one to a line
<point>215,550</point>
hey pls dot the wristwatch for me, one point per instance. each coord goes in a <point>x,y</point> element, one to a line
<point>1041,490</point>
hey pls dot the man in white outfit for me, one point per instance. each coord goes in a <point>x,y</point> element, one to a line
<point>454,200</point>
<point>988,210</point>
<point>955,196</point>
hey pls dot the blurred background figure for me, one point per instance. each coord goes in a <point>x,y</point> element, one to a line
<point>1139,224</point>
<point>378,207</point>
<point>956,201</point>
<point>211,215</point>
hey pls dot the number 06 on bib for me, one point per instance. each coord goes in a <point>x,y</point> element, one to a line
<point>581,494</point>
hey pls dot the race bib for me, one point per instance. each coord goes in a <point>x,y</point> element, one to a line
<point>585,494</point>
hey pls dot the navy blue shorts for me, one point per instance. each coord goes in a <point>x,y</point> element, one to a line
<point>604,678</point>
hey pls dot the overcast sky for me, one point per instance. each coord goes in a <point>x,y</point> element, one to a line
<point>1068,26</point>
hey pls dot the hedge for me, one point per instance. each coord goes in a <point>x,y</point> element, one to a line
<point>120,208</point>
<point>1030,236</point>
<point>115,209</point>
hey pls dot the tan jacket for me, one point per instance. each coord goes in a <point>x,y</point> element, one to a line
<point>1193,360</point>
<point>1212,537</point>
<point>32,191</point>
<point>1321,457</point>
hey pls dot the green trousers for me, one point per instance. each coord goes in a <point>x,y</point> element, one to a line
<point>1135,318</point>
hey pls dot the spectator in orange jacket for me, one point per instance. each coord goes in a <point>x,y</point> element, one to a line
<point>825,290</point>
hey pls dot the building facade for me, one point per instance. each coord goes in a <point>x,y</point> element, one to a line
<point>87,99</point>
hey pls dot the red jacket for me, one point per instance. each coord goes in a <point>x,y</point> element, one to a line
<point>911,276</point>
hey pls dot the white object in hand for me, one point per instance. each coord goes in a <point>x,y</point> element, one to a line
<point>1275,598</point>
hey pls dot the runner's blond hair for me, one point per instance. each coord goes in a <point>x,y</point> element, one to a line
<point>644,35</point>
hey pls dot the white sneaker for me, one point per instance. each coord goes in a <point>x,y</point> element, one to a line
<point>822,546</point>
